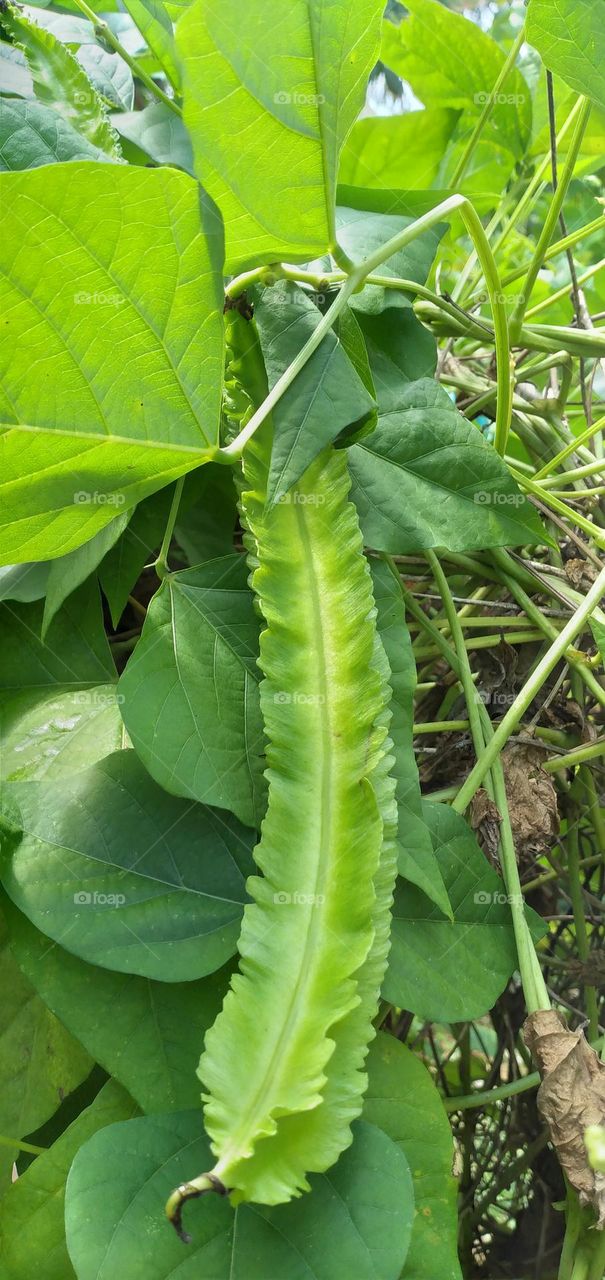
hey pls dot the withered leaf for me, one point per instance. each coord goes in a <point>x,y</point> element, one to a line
<point>570,1099</point>
<point>532,801</point>
<point>485,819</point>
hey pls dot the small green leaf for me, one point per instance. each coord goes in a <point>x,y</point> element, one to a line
<point>326,397</point>
<point>427,478</point>
<point>291,109</point>
<point>146,1034</point>
<point>125,876</point>
<point>110,75</point>
<point>32,1226</point>
<point>403,1101</point>
<point>355,1222</point>
<point>32,134</point>
<point>395,152</point>
<point>570,38</point>
<point>67,573</point>
<point>74,652</point>
<point>452,970</point>
<point>190,690</point>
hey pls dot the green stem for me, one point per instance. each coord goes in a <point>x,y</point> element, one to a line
<point>488,107</point>
<point>550,500</point>
<point>21,1146</point>
<point>104,30</point>
<point>551,221</point>
<point>161,564</point>
<point>527,694</point>
<point>579,915</point>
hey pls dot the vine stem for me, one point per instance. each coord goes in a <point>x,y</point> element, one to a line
<point>527,694</point>
<point>161,564</point>
<point>551,220</point>
<point>356,280</point>
<point>21,1146</point>
<point>488,107</point>
<point>104,30</point>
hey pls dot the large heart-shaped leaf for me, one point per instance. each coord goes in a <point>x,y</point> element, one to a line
<point>356,1221</point>
<point>126,876</point>
<point>111,288</point>
<point>570,38</point>
<point>32,1227</point>
<point>294,74</point>
<point>427,478</point>
<point>403,1101</point>
<point>452,970</point>
<point>146,1034</point>
<point>190,691</point>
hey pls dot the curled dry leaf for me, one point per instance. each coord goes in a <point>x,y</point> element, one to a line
<point>532,801</point>
<point>571,1098</point>
<point>485,819</point>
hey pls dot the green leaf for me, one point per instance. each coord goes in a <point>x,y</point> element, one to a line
<point>570,38</point>
<point>291,109</point>
<point>450,62</point>
<point>395,152</point>
<point>70,571</point>
<point>204,529</point>
<point>52,733</point>
<point>24,582</point>
<point>60,82</point>
<point>427,478</point>
<point>79,291</point>
<point>40,1062</point>
<point>75,650</point>
<point>325,398</point>
<point>361,232</point>
<point>110,75</point>
<point>32,1228</point>
<point>403,1101</point>
<point>444,970</point>
<point>153,21</point>
<point>125,876</point>
<point>416,859</point>
<point>146,1034</point>
<point>356,1221</point>
<point>159,133</point>
<point>32,134</point>
<point>190,690</point>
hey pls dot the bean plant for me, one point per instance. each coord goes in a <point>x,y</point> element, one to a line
<point>302,633</point>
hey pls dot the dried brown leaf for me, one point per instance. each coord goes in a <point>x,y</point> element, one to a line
<point>570,1098</point>
<point>532,801</point>
<point>485,819</point>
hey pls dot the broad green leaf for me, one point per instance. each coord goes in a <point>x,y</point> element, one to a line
<point>60,82</point>
<point>32,1228</point>
<point>361,232</point>
<point>74,652</point>
<point>124,875</point>
<point>153,21</point>
<point>54,732</point>
<point>416,859</point>
<point>67,573</point>
<point>293,74</point>
<point>122,565</point>
<point>444,970</point>
<point>397,152</point>
<point>427,478</point>
<point>325,398</point>
<point>32,134</point>
<point>204,531</point>
<point>24,582</point>
<point>88,430</point>
<point>146,1034</point>
<point>159,133</point>
<point>110,75</point>
<point>403,1101</point>
<point>450,62</point>
<point>190,690</point>
<point>40,1062</point>
<point>356,1221</point>
<point>570,38</point>
<point>67,27</point>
